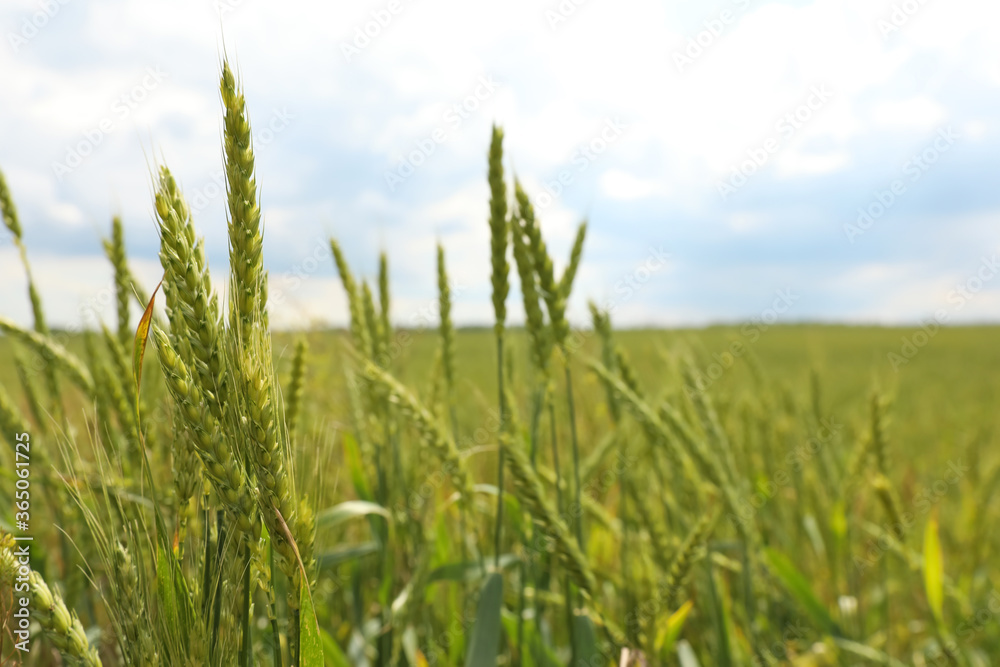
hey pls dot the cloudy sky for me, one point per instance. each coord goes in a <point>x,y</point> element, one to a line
<point>838,156</point>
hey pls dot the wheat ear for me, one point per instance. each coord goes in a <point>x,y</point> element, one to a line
<point>359,330</point>
<point>384,301</point>
<point>555,301</point>
<point>430,430</point>
<point>11,419</point>
<point>114,248</point>
<point>498,230</point>
<point>192,307</point>
<point>60,357</point>
<point>224,472</point>
<point>575,255</point>
<point>246,260</point>
<point>541,338</point>
<point>8,211</point>
<point>685,557</point>
<point>61,625</point>
<point>602,327</point>
<point>531,494</point>
<point>293,404</point>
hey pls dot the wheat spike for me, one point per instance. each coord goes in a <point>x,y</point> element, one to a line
<point>576,254</point>
<point>383,300</point>
<point>555,300</point>
<point>531,494</point>
<point>225,474</point>
<point>293,404</point>
<point>373,324</point>
<point>30,390</point>
<point>446,326</point>
<point>192,307</point>
<point>114,248</point>
<point>8,210</point>
<point>431,431</point>
<point>686,555</point>
<point>359,329</point>
<point>541,338</point>
<point>247,298</point>
<point>498,230</point>
<point>60,357</point>
<point>11,419</point>
<point>61,625</point>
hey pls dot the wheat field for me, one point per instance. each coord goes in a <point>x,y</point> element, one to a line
<point>200,490</point>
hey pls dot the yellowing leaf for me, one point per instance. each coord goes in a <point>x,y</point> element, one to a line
<point>934,569</point>
<point>139,348</point>
<point>838,520</point>
<point>671,630</point>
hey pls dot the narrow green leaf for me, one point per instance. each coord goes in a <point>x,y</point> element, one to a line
<point>353,455</point>
<point>485,640</point>
<point>310,646</point>
<point>338,514</point>
<point>470,570</point>
<point>186,611</point>
<point>800,589</point>
<point>331,651</point>
<point>336,557</point>
<point>536,652</point>
<point>174,599</point>
<point>585,640</point>
<point>867,652</point>
<point>723,656</point>
<point>166,594</point>
<point>934,569</point>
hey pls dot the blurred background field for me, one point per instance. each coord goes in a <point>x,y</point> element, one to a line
<point>944,399</point>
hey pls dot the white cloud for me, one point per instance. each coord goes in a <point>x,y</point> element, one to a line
<point>921,113</point>
<point>618,184</point>
<point>685,130</point>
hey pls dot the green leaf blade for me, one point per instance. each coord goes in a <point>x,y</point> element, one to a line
<point>485,640</point>
<point>796,584</point>
<point>350,509</point>
<point>310,645</point>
